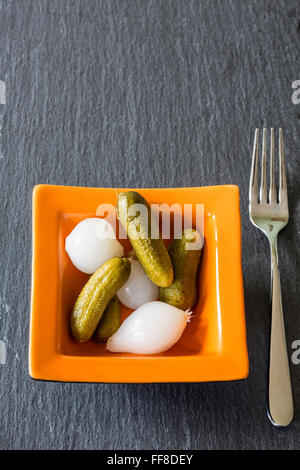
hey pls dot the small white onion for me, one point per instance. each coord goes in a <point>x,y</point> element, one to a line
<point>152,328</point>
<point>91,243</point>
<point>138,289</point>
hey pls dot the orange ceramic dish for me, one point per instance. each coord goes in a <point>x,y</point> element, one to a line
<point>213,346</point>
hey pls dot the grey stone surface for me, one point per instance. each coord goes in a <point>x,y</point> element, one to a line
<point>144,93</point>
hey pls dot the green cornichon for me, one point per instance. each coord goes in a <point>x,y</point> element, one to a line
<point>110,321</point>
<point>95,296</point>
<point>185,254</point>
<point>134,214</point>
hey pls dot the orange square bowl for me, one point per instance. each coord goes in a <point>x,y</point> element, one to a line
<point>213,346</point>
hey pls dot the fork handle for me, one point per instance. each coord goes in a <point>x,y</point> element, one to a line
<point>281,408</point>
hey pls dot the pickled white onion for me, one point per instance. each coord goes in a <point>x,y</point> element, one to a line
<point>138,289</point>
<point>152,328</point>
<point>91,243</point>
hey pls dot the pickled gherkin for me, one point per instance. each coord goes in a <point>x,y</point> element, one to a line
<point>134,214</point>
<point>109,322</point>
<point>95,296</point>
<point>185,254</point>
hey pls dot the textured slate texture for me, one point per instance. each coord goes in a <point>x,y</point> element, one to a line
<point>144,93</point>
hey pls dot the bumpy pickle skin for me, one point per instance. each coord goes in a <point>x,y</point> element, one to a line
<point>110,321</point>
<point>182,293</point>
<point>95,296</point>
<point>150,252</point>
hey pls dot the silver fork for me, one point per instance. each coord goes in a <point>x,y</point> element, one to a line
<point>271,215</point>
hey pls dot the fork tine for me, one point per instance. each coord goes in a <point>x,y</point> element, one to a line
<point>282,172</point>
<point>253,176</point>
<point>263,182</point>
<point>272,192</point>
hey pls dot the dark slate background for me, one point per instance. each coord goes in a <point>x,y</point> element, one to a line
<point>144,93</point>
